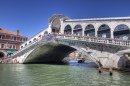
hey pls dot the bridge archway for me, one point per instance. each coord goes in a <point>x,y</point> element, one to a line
<point>77,29</point>
<point>56,25</point>
<point>1,54</point>
<point>45,33</point>
<point>121,31</point>
<point>68,29</point>
<point>89,30</point>
<point>104,31</point>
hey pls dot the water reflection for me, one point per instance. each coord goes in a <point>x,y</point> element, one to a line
<point>59,75</point>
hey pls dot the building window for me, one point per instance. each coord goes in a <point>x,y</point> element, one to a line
<point>14,47</point>
<point>10,46</point>
<point>24,39</point>
<point>13,38</point>
<point>1,45</point>
<point>20,39</point>
<point>2,36</point>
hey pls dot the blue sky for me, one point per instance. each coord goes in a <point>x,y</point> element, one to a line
<point>31,16</point>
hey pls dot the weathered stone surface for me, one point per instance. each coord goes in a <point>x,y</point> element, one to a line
<point>49,53</point>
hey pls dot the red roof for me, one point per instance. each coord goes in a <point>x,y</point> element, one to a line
<point>9,32</point>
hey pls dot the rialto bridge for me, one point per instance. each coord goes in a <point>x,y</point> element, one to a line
<point>100,39</point>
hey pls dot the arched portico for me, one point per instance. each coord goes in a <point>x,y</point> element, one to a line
<point>89,30</point>
<point>104,31</point>
<point>56,25</point>
<point>121,31</point>
<point>77,29</point>
<point>46,32</point>
<point>1,54</point>
<point>68,29</point>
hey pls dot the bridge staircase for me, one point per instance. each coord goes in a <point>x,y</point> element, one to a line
<point>22,54</point>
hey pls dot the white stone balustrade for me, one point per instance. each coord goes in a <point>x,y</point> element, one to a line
<point>96,39</point>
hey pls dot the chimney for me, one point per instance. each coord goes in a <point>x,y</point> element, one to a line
<point>17,32</point>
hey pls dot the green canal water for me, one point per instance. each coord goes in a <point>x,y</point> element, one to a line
<point>59,75</point>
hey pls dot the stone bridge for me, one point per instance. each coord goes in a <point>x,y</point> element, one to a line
<point>53,48</point>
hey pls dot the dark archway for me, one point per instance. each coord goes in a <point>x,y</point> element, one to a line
<point>89,30</point>
<point>56,25</point>
<point>122,31</point>
<point>45,33</point>
<point>78,29</point>
<point>104,31</point>
<point>68,30</point>
<point>1,54</point>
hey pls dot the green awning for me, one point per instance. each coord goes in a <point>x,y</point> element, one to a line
<point>11,51</point>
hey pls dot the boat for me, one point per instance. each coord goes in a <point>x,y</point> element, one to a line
<point>81,60</point>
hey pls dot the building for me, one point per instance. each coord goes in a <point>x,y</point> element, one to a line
<point>10,42</point>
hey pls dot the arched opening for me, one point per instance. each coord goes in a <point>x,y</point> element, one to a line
<point>34,39</point>
<point>21,46</point>
<point>104,31</point>
<point>78,29</point>
<point>56,24</point>
<point>45,33</point>
<point>1,54</point>
<point>30,41</point>
<point>89,30</point>
<point>67,29</point>
<point>122,31</point>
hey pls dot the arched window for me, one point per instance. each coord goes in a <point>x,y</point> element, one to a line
<point>89,30</point>
<point>39,35</point>
<point>56,25</point>
<point>45,33</point>
<point>121,31</point>
<point>21,46</point>
<point>67,29</point>
<point>26,44</point>
<point>104,31</point>
<point>78,29</point>
<point>30,41</point>
<point>34,39</point>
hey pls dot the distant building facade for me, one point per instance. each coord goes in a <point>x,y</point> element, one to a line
<point>10,42</point>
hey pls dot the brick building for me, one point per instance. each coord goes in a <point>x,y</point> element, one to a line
<point>10,42</point>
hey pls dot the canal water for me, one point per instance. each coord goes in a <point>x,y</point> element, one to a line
<point>74,74</point>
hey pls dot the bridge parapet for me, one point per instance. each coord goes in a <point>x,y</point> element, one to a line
<point>34,45</point>
<point>97,40</point>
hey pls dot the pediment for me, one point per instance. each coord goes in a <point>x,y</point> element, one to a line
<point>60,16</point>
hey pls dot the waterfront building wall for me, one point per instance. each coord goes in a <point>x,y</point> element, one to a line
<point>10,42</point>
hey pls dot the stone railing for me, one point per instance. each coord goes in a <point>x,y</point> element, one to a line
<point>46,39</point>
<point>96,39</point>
<point>25,49</point>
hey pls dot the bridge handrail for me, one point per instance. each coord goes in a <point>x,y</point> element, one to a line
<point>96,39</point>
<point>41,41</point>
<point>25,47</point>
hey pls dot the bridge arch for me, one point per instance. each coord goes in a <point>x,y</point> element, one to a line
<point>121,31</point>
<point>34,39</point>
<point>77,29</point>
<point>104,31</point>
<point>46,32</point>
<point>56,25</point>
<point>68,29</point>
<point>30,42</point>
<point>1,54</point>
<point>26,44</point>
<point>89,30</point>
